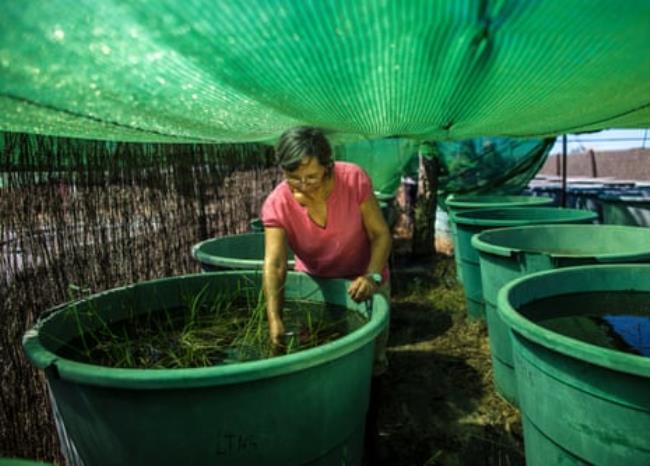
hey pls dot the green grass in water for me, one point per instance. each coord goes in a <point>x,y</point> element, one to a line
<point>224,331</point>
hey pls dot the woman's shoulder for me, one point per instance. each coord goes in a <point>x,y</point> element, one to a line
<point>354,178</point>
<point>350,172</point>
<point>348,167</point>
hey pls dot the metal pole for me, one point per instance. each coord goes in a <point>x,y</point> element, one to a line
<point>563,170</point>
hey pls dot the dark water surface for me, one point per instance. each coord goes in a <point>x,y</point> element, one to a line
<point>618,320</point>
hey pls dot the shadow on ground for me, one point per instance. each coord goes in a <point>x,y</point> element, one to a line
<point>438,405</point>
<point>411,322</point>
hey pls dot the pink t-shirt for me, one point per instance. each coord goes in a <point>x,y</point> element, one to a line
<point>341,249</point>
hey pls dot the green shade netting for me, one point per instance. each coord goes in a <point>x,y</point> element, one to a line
<point>232,71</point>
<point>489,165</point>
<point>385,160</point>
<point>480,165</point>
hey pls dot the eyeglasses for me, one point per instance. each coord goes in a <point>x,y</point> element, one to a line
<point>307,180</point>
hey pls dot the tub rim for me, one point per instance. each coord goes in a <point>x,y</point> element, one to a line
<point>480,244</point>
<point>464,217</point>
<point>230,262</point>
<point>469,201</point>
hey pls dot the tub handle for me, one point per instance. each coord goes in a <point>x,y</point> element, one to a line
<point>537,262</point>
<point>52,372</point>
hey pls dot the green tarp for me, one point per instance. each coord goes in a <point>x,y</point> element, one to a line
<point>245,70</point>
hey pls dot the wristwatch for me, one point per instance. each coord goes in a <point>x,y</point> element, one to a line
<point>375,277</point>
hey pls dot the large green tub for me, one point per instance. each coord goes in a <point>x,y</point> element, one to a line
<point>625,209</point>
<point>256,225</point>
<point>459,202</point>
<point>510,253</point>
<point>305,408</point>
<point>581,403</point>
<point>245,252</point>
<point>468,223</point>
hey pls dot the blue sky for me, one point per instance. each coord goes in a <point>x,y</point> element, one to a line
<point>598,141</point>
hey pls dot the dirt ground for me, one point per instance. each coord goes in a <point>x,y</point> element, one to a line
<point>438,404</point>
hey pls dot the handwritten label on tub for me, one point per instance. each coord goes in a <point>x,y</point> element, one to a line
<point>229,444</point>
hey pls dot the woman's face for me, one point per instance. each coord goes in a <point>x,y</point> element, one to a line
<point>308,177</point>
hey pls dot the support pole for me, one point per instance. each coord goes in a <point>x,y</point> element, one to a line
<point>563,204</point>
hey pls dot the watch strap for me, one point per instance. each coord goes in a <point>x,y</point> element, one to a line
<point>375,277</point>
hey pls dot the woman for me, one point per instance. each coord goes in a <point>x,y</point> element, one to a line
<point>326,211</point>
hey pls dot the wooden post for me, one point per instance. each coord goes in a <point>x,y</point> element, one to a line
<point>425,207</point>
<point>594,169</point>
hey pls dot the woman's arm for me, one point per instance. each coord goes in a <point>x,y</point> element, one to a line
<point>380,242</point>
<point>275,274</point>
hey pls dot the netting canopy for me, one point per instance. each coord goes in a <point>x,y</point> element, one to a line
<point>489,165</point>
<point>233,71</point>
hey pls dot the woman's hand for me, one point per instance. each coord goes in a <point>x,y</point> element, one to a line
<point>362,288</point>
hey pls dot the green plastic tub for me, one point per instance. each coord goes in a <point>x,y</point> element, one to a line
<point>625,210</point>
<point>236,252</point>
<point>470,222</point>
<point>581,403</point>
<point>306,408</point>
<point>510,253</point>
<point>256,225</point>
<point>459,202</point>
